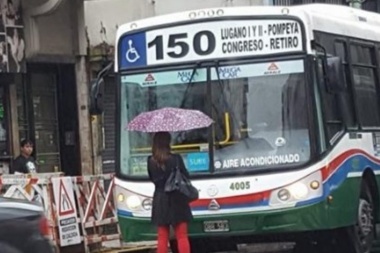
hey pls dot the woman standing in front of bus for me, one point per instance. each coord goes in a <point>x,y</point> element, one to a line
<point>168,209</point>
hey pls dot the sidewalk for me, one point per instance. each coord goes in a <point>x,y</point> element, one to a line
<point>117,247</point>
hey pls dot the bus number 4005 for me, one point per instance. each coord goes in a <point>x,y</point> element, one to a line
<point>181,41</point>
<point>236,186</point>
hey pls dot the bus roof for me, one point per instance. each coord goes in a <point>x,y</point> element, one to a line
<point>330,18</point>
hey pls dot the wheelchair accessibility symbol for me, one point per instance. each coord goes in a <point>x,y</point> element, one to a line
<point>132,55</point>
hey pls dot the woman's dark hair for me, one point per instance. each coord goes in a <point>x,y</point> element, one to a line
<point>161,148</point>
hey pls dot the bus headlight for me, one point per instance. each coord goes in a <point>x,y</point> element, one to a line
<point>133,202</point>
<point>305,189</point>
<point>298,190</point>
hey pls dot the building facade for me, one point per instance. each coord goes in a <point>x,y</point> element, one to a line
<point>42,78</point>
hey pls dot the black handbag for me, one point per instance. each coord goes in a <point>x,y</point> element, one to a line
<point>179,182</point>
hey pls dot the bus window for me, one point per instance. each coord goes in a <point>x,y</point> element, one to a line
<point>363,69</point>
<point>366,97</point>
<point>340,50</point>
<point>361,55</point>
<point>151,91</point>
<point>332,116</point>
<point>268,121</point>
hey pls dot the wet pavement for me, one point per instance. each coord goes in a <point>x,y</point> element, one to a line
<point>252,248</point>
<point>277,248</point>
<point>266,248</point>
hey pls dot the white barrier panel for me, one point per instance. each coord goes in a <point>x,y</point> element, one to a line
<point>67,211</point>
<point>97,210</point>
<point>69,202</point>
<point>35,187</point>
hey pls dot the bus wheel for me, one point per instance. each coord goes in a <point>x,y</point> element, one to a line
<point>359,238</point>
<point>354,239</point>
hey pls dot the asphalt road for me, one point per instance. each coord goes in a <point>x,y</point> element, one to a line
<point>276,248</point>
<point>266,248</point>
<point>253,248</point>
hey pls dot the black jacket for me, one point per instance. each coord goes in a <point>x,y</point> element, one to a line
<point>24,165</point>
<point>168,208</point>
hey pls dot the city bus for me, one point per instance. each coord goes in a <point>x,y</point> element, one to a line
<point>294,150</point>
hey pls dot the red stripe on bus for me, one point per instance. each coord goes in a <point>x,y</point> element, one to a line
<point>242,199</point>
<point>334,165</point>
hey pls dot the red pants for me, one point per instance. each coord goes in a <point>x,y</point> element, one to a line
<point>180,234</point>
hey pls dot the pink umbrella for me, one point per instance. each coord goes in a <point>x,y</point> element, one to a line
<point>169,119</point>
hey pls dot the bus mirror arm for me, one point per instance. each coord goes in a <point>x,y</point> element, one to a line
<point>105,71</point>
<point>96,106</point>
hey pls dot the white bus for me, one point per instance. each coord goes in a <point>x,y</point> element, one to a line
<point>294,150</point>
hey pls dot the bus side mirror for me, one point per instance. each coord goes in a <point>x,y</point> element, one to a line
<point>96,96</point>
<point>335,75</point>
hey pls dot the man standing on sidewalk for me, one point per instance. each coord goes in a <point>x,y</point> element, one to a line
<point>25,163</point>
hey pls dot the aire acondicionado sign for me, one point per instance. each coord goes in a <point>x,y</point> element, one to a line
<point>209,40</point>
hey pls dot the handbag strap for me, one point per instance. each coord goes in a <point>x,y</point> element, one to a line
<point>178,169</point>
<point>176,163</point>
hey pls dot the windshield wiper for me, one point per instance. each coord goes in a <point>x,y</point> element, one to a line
<point>220,84</point>
<point>232,112</point>
<point>190,83</point>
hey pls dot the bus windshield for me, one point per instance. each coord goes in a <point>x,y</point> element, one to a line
<point>259,110</point>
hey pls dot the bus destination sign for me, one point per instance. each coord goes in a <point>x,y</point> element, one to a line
<point>209,40</point>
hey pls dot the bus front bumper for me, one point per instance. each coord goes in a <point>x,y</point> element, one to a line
<point>338,209</point>
<point>319,216</point>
